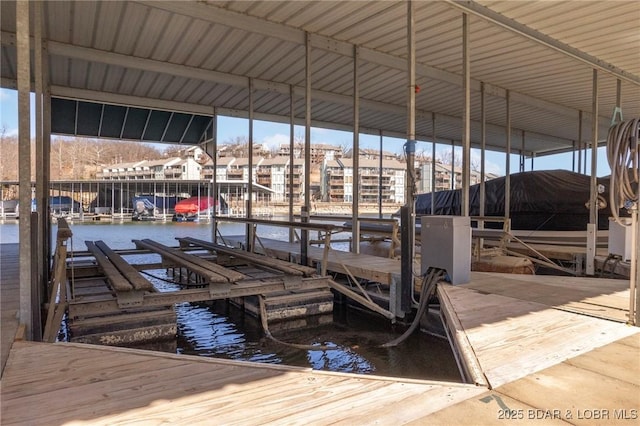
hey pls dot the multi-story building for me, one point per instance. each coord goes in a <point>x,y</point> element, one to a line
<point>222,165</point>
<point>272,174</point>
<point>446,177</point>
<point>297,170</point>
<point>373,154</point>
<point>169,168</point>
<point>332,184</point>
<point>386,185</point>
<point>319,151</point>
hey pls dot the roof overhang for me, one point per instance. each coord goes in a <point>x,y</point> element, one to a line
<point>163,61</point>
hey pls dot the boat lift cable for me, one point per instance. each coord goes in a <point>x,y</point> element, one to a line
<point>265,328</point>
<point>429,284</point>
<point>162,279</point>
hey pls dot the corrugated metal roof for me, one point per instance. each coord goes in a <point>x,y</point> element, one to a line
<point>193,56</point>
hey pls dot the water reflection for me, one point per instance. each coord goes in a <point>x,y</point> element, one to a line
<point>216,329</point>
<point>219,329</point>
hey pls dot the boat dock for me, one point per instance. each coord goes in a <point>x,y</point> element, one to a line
<point>534,348</point>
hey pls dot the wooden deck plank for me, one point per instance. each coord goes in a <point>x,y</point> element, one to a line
<point>156,388</point>
<point>114,276</point>
<point>618,359</point>
<point>192,262</point>
<point>138,282</point>
<point>513,338</point>
<point>599,297</point>
<point>9,298</point>
<point>368,267</point>
<point>556,387</point>
<point>287,267</point>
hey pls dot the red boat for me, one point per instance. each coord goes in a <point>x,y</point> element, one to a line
<point>194,205</point>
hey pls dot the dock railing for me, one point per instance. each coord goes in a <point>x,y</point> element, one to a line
<point>58,285</point>
<point>479,233</point>
<point>252,236</point>
<point>370,229</point>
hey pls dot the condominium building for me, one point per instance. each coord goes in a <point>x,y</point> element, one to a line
<point>169,168</point>
<point>386,185</point>
<point>446,177</point>
<point>318,151</point>
<point>272,173</point>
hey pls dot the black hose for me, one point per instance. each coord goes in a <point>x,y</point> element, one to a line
<point>265,328</point>
<point>162,279</point>
<point>429,284</point>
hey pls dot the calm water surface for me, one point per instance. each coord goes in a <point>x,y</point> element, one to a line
<point>218,329</point>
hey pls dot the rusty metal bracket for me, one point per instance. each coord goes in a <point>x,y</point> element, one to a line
<point>292,282</point>
<point>130,299</point>
<point>219,289</point>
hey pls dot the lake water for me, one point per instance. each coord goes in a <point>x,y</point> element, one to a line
<point>218,329</point>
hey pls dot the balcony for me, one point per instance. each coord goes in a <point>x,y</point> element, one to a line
<point>264,180</point>
<point>235,174</point>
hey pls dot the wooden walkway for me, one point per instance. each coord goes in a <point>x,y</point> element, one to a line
<point>9,297</point>
<point>374,268</point>
<point>55,384</point>
<point>510,326</point>
<point>548,348</point>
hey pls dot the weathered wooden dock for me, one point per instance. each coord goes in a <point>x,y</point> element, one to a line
<point>538,348</point>
<point>9,297</point>
<point>367,267</point>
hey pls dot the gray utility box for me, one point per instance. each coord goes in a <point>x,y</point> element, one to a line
<point>446,244</point>
<point>620,238</point>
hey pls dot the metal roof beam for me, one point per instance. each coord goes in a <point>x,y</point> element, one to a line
<point>528,32</point>
<point>116,59</point>
<point>340,47</point>
<point>171,106</point>
<point>294,35</point>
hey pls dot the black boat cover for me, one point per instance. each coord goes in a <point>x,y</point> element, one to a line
<point>540,200</point>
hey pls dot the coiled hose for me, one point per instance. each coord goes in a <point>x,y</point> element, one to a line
<point>623,156</point>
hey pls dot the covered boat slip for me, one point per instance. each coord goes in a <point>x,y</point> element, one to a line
<point>506,76</point>
<point>535,356</point>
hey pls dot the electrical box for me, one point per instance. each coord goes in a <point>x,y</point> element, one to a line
<point>446,244</point>
<point>620,238</point>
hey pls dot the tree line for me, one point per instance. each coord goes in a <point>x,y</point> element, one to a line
<point>76,158</point>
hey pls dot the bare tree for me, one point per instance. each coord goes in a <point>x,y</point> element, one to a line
<point>444,157</point>
<point>8,155</point>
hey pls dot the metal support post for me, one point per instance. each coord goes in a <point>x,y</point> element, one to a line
<point>355,229</point>
<point>406,263</point>
<point>24,165</point>
<point>466,117</point>
<point>507,181</point>
<point>304,233</point>
<point>380,180</point>
<point>291,159</point>
<point>250,230</point>
<point>592,227</point>
<point>408,211</point>
<point>433,162</point>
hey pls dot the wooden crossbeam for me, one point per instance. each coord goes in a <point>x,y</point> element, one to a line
<point>280,265</point>
<point>208,270</point>
<point>115,278</point>
<point>138,282</point>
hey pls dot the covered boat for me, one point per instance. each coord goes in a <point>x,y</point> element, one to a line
<point>194,205</point>
<point>540,200</point>
<point>143,209</point>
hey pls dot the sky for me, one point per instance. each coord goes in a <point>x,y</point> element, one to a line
<point>273,134</point>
